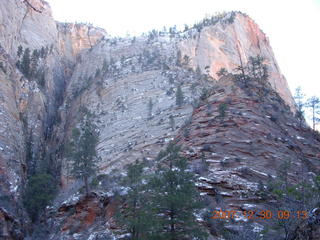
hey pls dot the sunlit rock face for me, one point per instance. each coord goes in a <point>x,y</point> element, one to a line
<point>226,45</point>
<point>74,38</point>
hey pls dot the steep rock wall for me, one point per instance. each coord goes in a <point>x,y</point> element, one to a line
<point>27,109</point>
<point>226,45</point>
<point>117,78</point>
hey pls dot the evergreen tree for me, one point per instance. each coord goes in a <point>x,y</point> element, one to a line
<point>292,197</point>
<point>222,72</point>
<point>174,197</point>
<point>20,51</point>
<point>134,216</point>
<point>150,107</point>
<point>172,122</point>
<point>40,190</point>
<point>25,64</point>
<point>98,73</point>
<point>257,69</point>
<point>178,62</point>
<point>179,97</point>
<point>222,109</point>
<point>314,103</point>
<point>81,150</point>
<point>300,104</point>
<point>40,77</point>
<point>34,63</point>
<point>18,64</point>
<point>198,71</point>
<point>42,52</point>
<point>104,66</point>
<point>186,28</point>
<point>186,60</point>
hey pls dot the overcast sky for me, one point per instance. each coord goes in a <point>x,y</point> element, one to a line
<point>293,26</point>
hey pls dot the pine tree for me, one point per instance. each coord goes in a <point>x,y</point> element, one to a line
<point>222,109</point>
<point>25,63</point>
<point>134,216</point>
<point>81,150</point>
<point>198,71</point>
<point>222,72</point>
<point>42,52</point>
<point>172,122</point>
<point>98,73</point>
<point>104,66</point>
<point>150,107</point>
<point>257,69</point>
<point>179,97</point>
<point>174,197</point>
<point>34,63</point>
<point>40,77</point>
<point>186,60</point>
<point>20,51</point>
<point>40,191</point>
<point>314,103</point>
<point>299,99</point>
<point>178,61</point>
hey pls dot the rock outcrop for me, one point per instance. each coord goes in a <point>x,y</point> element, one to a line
<point>226,45</point>
<point>74,38</point>
<point>248,145</point>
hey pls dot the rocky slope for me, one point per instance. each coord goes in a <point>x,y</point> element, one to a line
<point>242,149</point>
<point>115,79</point>
<point>246,149</point>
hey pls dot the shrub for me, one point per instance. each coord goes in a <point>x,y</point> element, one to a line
<point>179,97</point>
<point>222,110</point>
<point>186,132</point>
<point>222,72</point>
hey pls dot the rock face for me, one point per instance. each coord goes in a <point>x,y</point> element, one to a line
<point>74,38</point>
<point>247,145</point>
<point>116,79</point>
<point>226,45</point>
<point>129,72</point>
<point>28,110</point>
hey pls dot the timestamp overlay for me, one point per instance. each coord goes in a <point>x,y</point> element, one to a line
<point>260,214</point>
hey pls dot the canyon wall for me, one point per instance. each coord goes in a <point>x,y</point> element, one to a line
<point>116,79</point>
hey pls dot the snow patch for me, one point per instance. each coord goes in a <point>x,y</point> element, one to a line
<point>299,138</point>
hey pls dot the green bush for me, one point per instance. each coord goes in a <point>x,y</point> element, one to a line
<point>222,109</point>
<point>40,191</point>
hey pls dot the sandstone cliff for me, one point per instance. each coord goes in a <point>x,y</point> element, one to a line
<point>115,79</point>
<point>230,45</point>
<point>128,72</point>
<point>27,109</point>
